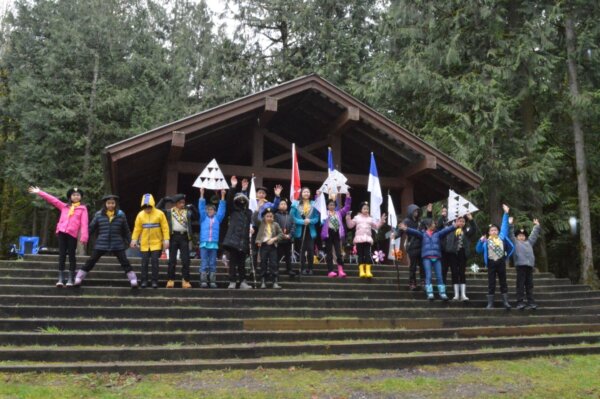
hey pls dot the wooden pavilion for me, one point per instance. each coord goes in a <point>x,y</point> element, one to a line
<point>254,134</point>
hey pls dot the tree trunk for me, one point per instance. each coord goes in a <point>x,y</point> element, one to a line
<point>90,127</point>
<point>585,240</point>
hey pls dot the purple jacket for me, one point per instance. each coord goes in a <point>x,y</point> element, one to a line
<point>340,214</point>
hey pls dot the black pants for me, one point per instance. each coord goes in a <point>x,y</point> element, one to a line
<point>148,256</point>
<point>458,264</point>
<point>179,242</point>
<point>284,249</point>
<point>268,262</point>
<point>415,263</point>
<point>524,283</point>
<point>98,253</point>
<point>237,265</point>
<point>446,265</point>
<point>307,247</point>
<point>497,267</point>
<point>333,242</point>
<point>363,252</point>
<point>67,245</point>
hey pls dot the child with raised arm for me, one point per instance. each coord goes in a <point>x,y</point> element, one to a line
<point>151,235</point>
<point>363,236</point>
<point>431,254</point>
<point>210,222</point>
<point>457,249</point>
<point>524,261</point>
<point>72,225</point>
<point>496,247</point>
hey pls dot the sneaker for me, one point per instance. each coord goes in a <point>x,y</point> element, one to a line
<point>531,306</point>
<point>245,286</point>
<point>185,284</point>
<point>155,284</point>
<point>170,284</point>
<point>521,306</point>
<point>231,285</point>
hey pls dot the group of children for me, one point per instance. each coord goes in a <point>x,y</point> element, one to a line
<point>268,233</point>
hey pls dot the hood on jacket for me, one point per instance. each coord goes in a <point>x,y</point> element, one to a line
<point>240,201</point>
<point>147,200</point>
<point>411,209</point>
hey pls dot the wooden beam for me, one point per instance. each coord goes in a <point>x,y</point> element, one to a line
<point>288,155</point>
<point>309,176</point>
<point>301,152</point>
<point>419,167</point>
<point>345,121</point>
<point>177,144</point>
<point>406,198</point>
<point>268,113</point>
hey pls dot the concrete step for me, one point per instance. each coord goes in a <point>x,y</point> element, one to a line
<point>306,283</point>
<point>279,302</point>
<point>233,310</point>
<point>474,293</point>
<point>195,276</point>
<point>220,337</point>
<point>493,317</point>
<point>313,362</point>
<point>267,349</point>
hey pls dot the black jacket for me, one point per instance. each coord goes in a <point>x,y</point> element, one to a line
<point>451,243</point>
<point>112,236</point>
<point>240,220</point>
<point>413,243</point>
<point>287,224</point>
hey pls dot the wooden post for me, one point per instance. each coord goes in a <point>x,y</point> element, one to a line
<point>258,139</point>
<point>172,173</point>
<point>407,197</point>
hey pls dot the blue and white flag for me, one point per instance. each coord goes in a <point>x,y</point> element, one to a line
<point>330,166</point>
<point>375,189</point>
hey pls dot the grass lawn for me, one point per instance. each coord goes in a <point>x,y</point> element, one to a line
<point>545,377</point>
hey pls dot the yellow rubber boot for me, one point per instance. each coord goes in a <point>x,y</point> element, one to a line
<point>368,271</point>
<point>361,271</point>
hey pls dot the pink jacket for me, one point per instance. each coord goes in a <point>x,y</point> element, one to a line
<point>74,225</point>
<point>363,225</point>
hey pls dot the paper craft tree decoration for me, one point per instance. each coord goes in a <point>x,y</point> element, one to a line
<point>211,178</point>
<point>459,206</point>
<point>335,184</point>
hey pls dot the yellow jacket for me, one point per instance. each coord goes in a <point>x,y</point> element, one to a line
<point>152,228</point>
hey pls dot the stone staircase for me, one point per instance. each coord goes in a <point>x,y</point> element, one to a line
<point>314,322</point>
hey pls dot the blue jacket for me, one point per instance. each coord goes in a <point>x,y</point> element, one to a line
<point>205,233</point>
<point>431,246</point>
<point>296,213</point>
<point>112,235</point>
<point>509,248</point>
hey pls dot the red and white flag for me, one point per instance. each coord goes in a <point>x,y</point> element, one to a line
<point>295,183</point>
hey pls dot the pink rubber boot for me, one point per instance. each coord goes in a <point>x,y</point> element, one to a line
<point>341,273</point>
<point>132,279</point>
<point>80,277</point>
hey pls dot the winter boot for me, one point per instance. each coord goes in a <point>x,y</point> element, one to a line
<point>70,280</point>
<point>185,284</point>
<point>132,279</point>
<point>144,284</point>
<point>429,290</point>
<point>203,280</point>
<point>505,302</point>
<point>531,305</point>
<point>520,305</point>
<point>442,292</point>
<point>463,292</point>
<point>341,273</point>
<point>245,286</point>
<point>170,284</point>
<point>490,304</point>
<point>61,278</point>
<point>368,273</point>
<point>154,284</point>
<point>456,292</point>
<point>361,271</point>
<point>412,285</point>
<point>231,285</point>
<point>80,277</point>
<point>212,277</point>
<point>276,285</point>
<point>263,284</point>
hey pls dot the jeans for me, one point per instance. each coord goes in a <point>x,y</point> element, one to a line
<point>209,260</point>
<point>436,264</point>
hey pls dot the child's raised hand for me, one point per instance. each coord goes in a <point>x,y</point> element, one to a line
<point>505,208</point>
<point>511,220</point>
<point>384,216</point>
<point>402,226</point>
<point>483,238</point>
<point>201,192</point>
<point>233,181</point>
<point>536,222</point>
<point>469,216</point>
<point>244,184</point>
<point>278,188</point>
<point>223,193</point>
<point>33,189</point>
<point>318,192</point>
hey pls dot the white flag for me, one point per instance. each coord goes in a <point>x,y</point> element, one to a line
<point>375,189</point>
<point>392,221</point>
<point>321,206</point>
<point>252,203</point>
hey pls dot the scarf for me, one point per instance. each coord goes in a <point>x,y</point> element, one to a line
<point>496,245</point>
<point>180,216</point>
<point>334,223</point>
<point>458,231</point>
<point>111,215</point>
<point>268,231</point>
<point>306,208</point>
<point>72,209</point>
